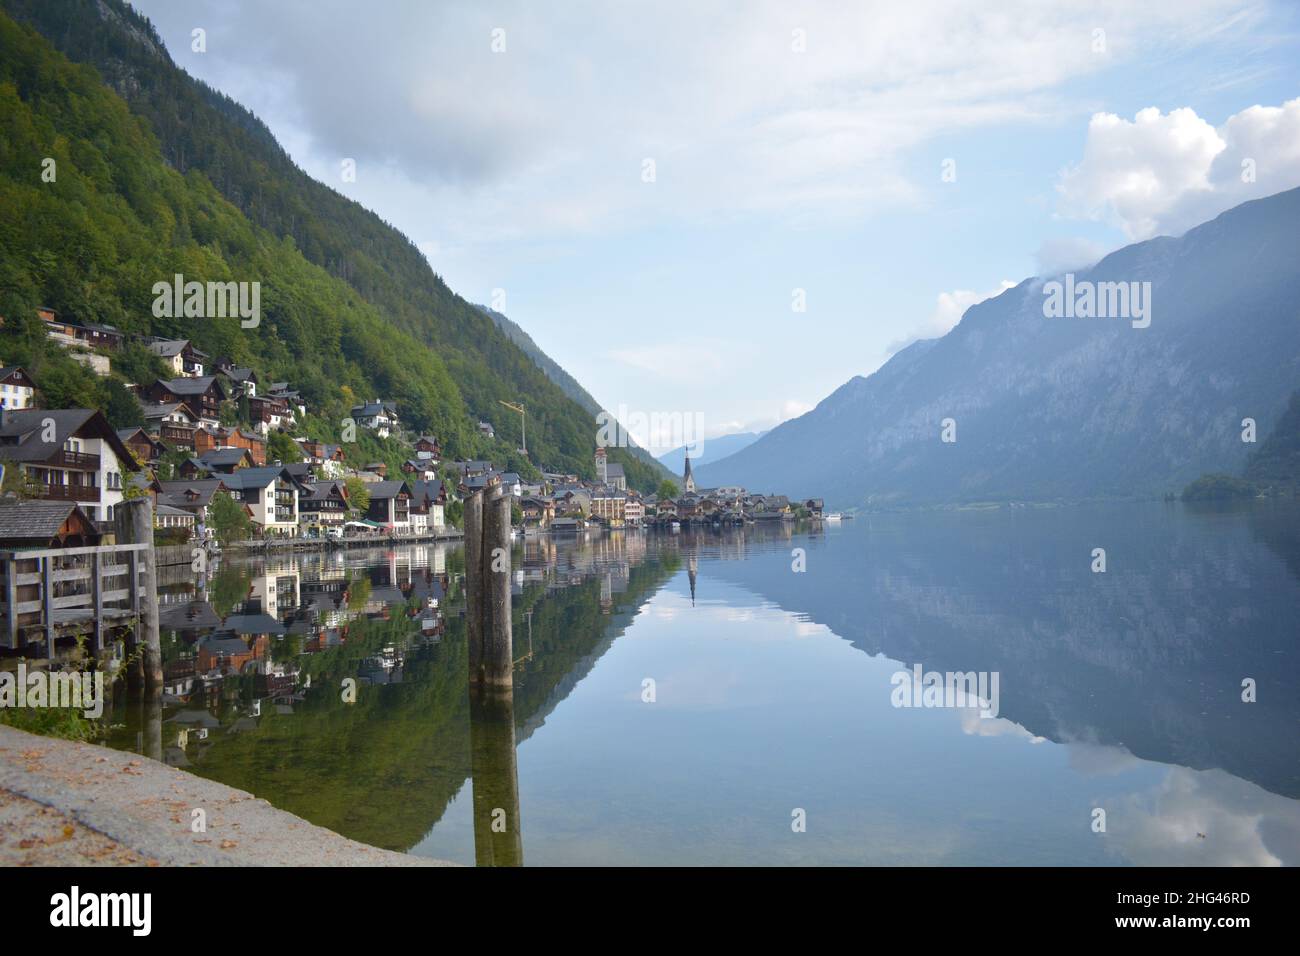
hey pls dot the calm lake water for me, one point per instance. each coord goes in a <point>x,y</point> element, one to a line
<point>772,700</point>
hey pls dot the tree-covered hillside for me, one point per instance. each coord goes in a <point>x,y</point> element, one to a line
<point>166,175</point>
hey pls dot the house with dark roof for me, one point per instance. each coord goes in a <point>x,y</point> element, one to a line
<point>271,495</point>
<point>171,423</point>
<point>222,461</point>
<point>428,506</point>
<point>194,496</point>
<point>17,390</point>
<point>203,395</point>
<point>37,525</point>
<point>240,380</point>
<point>321,454</point>
<point>301,470</point>
<point>424,469</point>
<point>143,445</point>
<point>290,396</point>
<point>68,454</point>
<point>88,334</point>
<point>208,438</point>
<point>324,503</point>
<point>379,417</point>
<point>179,355</point>
<point>538,512</point>
<point>471,468</point>
<point>427,446</point>
<point>390,504</point>
<point>268,414</point>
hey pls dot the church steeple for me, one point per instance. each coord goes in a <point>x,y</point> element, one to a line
<point>688,479</point>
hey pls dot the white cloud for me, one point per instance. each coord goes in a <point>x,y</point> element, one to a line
<point>1166,172</point>
<point>1206,818</point>
<point>548,137</point>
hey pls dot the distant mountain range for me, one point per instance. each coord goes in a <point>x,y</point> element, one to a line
<point>1066,408</point>
<point>710,450</point>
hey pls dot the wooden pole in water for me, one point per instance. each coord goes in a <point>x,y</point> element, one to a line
<point>498,840</point>
<point>473,516</point>
<point>133,521</point>
<point>497,665</point>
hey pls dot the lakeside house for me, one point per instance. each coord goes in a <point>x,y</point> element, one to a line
<point>323,504</point>
<point>69,454</point>
<point>271,495</point>
<point>390,505</point>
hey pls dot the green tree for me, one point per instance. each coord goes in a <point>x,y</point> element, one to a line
<point>121,408</point>
<point>280,447</point>
<point>17,482</point>
<point>667,489</point>
<point>454,513</point>
<point>228,518</point>
<point>358,494</point>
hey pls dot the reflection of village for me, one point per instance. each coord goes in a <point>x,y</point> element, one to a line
<point>235,642</point>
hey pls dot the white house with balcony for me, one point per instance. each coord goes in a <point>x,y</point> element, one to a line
<point>68,454</point>
<point>271,496</point>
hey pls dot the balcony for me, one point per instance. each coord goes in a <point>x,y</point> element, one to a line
<point>72,459</point>
<point>68,493</point>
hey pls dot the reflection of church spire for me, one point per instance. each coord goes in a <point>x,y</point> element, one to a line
<point>688,478</point>
<point>692,565</point>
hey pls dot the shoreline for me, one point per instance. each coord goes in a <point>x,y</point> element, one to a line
<point>65,803</point>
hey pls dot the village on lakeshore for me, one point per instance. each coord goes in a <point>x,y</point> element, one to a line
<point>214,431</point>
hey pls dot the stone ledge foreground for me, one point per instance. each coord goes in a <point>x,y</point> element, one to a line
<point>71,804</point>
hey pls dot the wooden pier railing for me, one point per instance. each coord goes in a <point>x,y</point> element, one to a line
<point>58,592</point>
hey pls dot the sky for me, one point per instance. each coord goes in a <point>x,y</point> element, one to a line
<point>718,213</point>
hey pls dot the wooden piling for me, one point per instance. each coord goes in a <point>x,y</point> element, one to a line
<point>497,665</point>
<point>133,522</point>
<point>498,839</point>
<point>473,516</point>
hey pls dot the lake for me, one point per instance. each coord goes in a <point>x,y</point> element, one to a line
<point>735,696</point>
